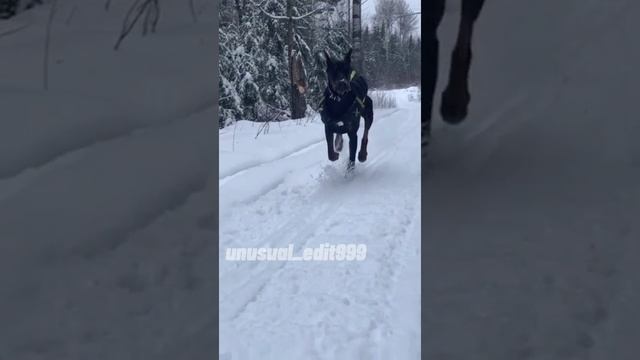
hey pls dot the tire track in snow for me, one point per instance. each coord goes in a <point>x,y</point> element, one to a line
<point>224,178</point>
<point>282,236</point>
<point>34,165</point>
<point>319,195</point>
<point>307,221</point>
<point>296,151</point>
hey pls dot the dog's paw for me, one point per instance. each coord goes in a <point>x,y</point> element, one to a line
<point>351,165</point>
<point>362,156</point>
<point>454,105</point>
<point>334,156</point>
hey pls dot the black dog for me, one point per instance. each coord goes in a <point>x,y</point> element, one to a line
<point>345,101</point>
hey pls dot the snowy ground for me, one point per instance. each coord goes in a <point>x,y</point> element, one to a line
<point>531,224</point>
<point>106,186</point>
<point>279,189</point>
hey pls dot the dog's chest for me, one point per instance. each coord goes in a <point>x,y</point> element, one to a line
<point>336,104</point>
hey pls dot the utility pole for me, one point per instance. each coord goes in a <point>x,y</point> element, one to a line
<point>356,34</point>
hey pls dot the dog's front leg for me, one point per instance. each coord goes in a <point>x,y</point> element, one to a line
<point>362,155</point>
<point>353,146</point>
<point>328,134</point>
<point>367,114</point>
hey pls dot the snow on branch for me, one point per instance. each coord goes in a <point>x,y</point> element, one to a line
<point>299,17</point>
<point>410,14</point>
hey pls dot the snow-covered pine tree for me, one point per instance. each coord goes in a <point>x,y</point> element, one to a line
<point>329,31</point>
<point>254,54</point>
<point>251,51</point>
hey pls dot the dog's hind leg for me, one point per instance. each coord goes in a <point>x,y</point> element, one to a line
<point>368,120</point>
<point>431,50</point>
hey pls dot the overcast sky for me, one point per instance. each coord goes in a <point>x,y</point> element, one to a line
<point>368,9</point>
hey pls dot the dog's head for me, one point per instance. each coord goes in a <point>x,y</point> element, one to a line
<point>338,72</point>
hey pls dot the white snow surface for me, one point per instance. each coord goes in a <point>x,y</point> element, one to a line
<point>106,186</point>
<point>530,227</point>
<point>280,189</point>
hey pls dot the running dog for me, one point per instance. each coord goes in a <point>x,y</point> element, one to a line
<point>345,101</point>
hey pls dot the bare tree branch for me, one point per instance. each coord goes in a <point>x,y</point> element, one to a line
<point>300,17</point>
<point>47,45</point>
<point>13,31</point>
<point>73,11</point>
<point>410,14</point>
<point>192,8</point>
<point>151,10</point>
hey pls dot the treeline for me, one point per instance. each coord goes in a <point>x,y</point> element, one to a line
<point>391,46</point>
<point>389,60</point>
<point>257,37</point>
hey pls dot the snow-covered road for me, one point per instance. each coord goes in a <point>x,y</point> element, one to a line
<point>107,187</point>
<point>280,189</point>
<point>531,224</point>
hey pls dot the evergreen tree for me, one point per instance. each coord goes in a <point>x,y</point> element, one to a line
<point>254,54</point>
<point>255,75</point>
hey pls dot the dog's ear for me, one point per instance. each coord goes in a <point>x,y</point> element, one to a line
<point>327,57</point>
<point>347,56</point>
